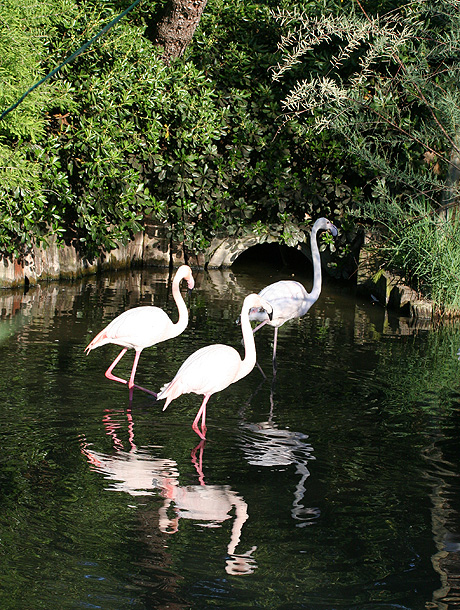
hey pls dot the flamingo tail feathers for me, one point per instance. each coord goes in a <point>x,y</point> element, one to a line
<point>170,391</point>
<point>100,339</point>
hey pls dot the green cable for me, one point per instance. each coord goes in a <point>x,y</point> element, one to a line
<point>69,59</point>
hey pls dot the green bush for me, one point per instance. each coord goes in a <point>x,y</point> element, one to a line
<point>199,144</point>
<point>391,92</point>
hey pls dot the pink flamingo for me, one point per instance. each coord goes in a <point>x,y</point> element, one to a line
<point>214,367</point>
<point>143,327</point>
<point>288,298</point>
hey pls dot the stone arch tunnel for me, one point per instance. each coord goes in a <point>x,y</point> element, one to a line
<point>152,248</point>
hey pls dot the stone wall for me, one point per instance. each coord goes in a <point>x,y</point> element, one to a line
<point>388,289</point>
<point>149,247</point>
<point>153,248</point>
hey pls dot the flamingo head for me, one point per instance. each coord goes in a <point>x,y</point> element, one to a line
<point>325,225</point>
<point>259,314</point>
<point>185,273</point>
<point>261,311</point>
<point>332,229</point>
<point>190,284</point>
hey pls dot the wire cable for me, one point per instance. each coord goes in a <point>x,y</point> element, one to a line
<point>71,58</point>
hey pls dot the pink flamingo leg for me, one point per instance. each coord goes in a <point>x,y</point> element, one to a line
<point>108,372</point>
<point>198,463</point>
<point>203,422</point>
<point>201,413</point>
<point>131,384</point>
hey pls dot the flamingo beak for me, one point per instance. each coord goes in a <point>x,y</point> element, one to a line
<point>333,230</point>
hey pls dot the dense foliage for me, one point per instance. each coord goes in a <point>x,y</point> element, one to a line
<point>199,144</point>
<point>389,86</point>
<point>370,128</point>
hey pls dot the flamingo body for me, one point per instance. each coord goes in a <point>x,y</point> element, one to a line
<point>143,327</point>
<point>207,371</point>
<point>289,299</point>
<point>136,328</point>
<point>215,367</point>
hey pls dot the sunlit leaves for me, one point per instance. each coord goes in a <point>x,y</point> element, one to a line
<point>390,89</point>
<point>199,144</point>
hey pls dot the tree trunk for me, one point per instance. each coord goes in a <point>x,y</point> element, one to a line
<point>176,27</point>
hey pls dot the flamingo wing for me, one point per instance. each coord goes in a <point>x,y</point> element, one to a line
<point>208,370</point>
<point>289,300</point>
<point>136,328</point>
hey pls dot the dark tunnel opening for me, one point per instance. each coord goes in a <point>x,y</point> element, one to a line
<point>273,255</point>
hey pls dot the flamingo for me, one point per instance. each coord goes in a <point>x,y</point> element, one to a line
<point>142,327</point>
<point>288,298</point>
<point>214,367</point>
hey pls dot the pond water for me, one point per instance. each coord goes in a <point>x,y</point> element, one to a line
<point>335,486</point>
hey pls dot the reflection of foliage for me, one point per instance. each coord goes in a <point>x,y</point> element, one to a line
<point>51,504</point>
<point>421,375</point>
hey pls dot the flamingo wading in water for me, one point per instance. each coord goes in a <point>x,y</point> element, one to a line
<point>142,327</point>
<point>214,367</point>
<point>288,298</point>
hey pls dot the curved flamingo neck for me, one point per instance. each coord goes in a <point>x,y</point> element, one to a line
<point>316,259</point>
<point>249,361</point>
<point>182,322</point>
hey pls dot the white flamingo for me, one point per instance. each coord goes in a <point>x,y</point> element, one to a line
<point>214,367</point>
<point>288,298</point>
<point>142,327</point>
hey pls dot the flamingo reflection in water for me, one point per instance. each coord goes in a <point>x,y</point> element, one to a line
<point>139,473</point>
<point>264,444</point>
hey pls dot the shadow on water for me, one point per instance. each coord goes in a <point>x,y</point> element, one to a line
<point>335,486</point>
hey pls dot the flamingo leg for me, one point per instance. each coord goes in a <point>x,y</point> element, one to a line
<point>201,413</point>
<point>133,370</point>
<point>261,370</point>
<point>108,372</point>
<point>130,383</point>
<point>203,421</point>
<point>275,343</point>
<point>254,330</point>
